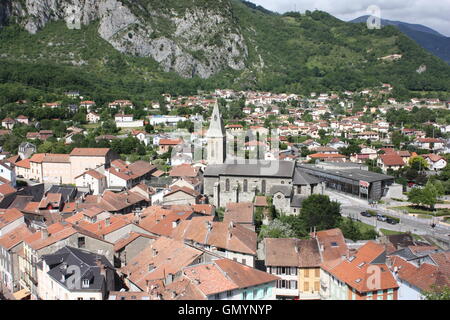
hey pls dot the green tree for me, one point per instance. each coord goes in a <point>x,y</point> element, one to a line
<point>276,229</point>
<point>418,163</point>
<point>320,212</point>
<point>436,293</point>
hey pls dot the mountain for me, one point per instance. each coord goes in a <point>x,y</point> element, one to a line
<point>428,38</point>
<point>138,49</point>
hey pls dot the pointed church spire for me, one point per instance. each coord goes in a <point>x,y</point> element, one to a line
<point>216,127</point>
<point>216,138</point>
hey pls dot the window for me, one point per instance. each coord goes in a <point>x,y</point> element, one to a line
<point>255,294</point>
<point>227,185</point>
<point>79,298</point>
<point>306,273</point>
<point>317,286</point>
<point>380,295</point>
<point>293,284</point>
<point>229,294</point>
<point>265,292</point>
<point>306,286</point>
<point>244,295</point>
<point>244,261</point>
<point>85,283</point>
<point>245,185</point>
<point>317,273</point>
<point>81,242</point>
<point>263,186</point>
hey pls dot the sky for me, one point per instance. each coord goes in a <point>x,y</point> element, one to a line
<point>431,13</point>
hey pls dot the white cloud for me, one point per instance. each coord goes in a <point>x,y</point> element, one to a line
<point>431,13</point>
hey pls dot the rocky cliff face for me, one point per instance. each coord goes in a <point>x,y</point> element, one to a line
<point>197,40</point>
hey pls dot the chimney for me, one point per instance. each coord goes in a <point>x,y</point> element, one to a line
<point>174,224</point>
<point>44,233</point>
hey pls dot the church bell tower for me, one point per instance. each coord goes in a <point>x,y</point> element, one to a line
<point>216,138</point>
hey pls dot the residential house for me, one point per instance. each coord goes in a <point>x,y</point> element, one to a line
<point>11,243</point>
<point>392,161</point>
<point>363,275</point>
<point>435,162</point>
<point>75,274</point>
<point>26,150</point>
<point>125,176</point>
<point>240,213</point>
<point>127,248</point>
<point>420,269</point>
<point>297,263</point>
<point>166,144</point>
<point>92,117</point>
<point>432,144</point>
<point>51,239</point>
<point>182,195</point>
<point>93,180</point>
<point>10,219</point>
<point>7,173</point>
<point>230,240</point>
<point>22,119</point>
<point>8,123</point>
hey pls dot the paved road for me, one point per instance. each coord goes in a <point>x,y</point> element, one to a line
<point>352,207</point>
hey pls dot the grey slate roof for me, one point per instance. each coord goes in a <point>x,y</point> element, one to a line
<point>284,189</point>
<point>302,178</point>
<point>60,261</point>
<point>297,200</point>
<point>276,169</point>
<point>351,174</point>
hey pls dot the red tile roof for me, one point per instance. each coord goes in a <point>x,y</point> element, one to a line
<point>90,152</point>
<point>8,216</point>
<point>392,159</point>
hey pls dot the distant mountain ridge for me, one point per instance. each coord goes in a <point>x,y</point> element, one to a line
<point>426,37</point>
<point>140,49</point>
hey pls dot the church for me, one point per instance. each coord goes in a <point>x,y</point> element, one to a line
<point>229,180</point>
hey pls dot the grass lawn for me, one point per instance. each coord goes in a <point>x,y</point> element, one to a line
<point>362,227</point>
<point>420,211</point>
<point>390,232</point>
<point>424,216</point>
<point>91,125</point>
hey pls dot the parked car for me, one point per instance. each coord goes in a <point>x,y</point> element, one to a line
<point>366,214</point>
<point>381,217</point>
<point>391,221</point>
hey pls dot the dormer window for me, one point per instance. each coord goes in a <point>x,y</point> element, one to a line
<point>85,283</point>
